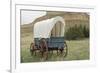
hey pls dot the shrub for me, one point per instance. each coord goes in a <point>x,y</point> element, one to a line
<point>77,32</point>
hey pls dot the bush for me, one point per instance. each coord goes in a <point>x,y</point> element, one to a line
<point>86,32</point>
<point>77,32</point>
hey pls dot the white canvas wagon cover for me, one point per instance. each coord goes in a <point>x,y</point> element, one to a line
<point>43,28</point>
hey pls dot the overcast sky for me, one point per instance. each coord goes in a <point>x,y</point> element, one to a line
<point>30,16</point>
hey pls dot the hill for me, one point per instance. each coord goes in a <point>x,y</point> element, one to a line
<point>71,19</point>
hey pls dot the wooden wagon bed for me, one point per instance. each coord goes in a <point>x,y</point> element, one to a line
<point>54,43</point>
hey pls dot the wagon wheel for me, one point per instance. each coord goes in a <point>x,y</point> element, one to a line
<point>65,49</point>
<point>32,50</point>
<point>43,49</point>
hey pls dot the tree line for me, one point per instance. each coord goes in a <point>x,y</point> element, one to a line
<point>77,32</point>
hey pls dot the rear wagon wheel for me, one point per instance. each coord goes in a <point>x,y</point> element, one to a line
<point>65,49</point>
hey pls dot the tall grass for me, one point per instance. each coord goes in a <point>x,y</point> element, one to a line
<point>77,50</point>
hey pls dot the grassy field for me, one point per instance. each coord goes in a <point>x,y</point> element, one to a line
<point>77,50</point>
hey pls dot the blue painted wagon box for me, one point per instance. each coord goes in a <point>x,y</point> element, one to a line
<point>48,36</point>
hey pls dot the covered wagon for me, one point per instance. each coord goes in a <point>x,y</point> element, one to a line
<point>52,30</point>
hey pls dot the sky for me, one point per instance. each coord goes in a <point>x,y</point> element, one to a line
<point>30,16</point>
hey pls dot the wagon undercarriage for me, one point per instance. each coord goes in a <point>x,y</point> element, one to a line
<point>53,44</point>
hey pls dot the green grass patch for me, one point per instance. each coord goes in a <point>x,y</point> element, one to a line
<point>77,50</point>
